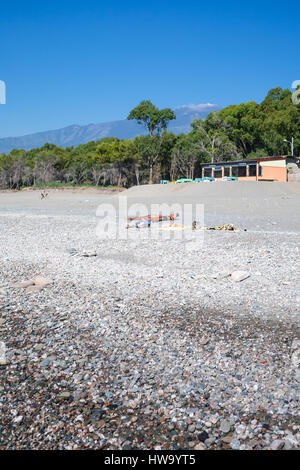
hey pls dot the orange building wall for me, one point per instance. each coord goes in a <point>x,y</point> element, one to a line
<point>273,173</point>
<point>247,178</point>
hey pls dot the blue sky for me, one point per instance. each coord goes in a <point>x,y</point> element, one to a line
<point>87,62</point>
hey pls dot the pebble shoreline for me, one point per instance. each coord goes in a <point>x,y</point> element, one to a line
<point>145,345</point>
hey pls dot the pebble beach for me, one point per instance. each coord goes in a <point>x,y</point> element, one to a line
<point>141,343</point>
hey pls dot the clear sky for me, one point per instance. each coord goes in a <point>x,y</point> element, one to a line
<point>92,61</point>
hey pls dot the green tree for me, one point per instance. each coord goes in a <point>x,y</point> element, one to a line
<point>155,121</point>
<point>211,139</point>
<point>186,153</point>
<point>117,158</point>
<point>262,128</point>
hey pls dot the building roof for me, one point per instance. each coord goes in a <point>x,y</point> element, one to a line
<point>251,160</point>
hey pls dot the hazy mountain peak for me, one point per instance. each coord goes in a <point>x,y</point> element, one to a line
<point>199,107</point>
<point>75,134</point>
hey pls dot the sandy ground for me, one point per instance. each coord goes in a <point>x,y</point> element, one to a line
<point>262,205</point>
<point>141,342</point>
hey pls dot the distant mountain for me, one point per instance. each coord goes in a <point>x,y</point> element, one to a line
<point>75,135</point>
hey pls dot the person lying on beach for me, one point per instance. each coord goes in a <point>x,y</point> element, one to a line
<point>155,218</point>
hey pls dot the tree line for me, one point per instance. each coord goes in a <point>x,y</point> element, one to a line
<point>240,131</point>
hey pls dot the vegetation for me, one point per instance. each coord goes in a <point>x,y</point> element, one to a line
<point>155,122</point>
<point>236,132</point>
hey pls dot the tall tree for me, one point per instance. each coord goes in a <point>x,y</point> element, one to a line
<point>155,121</point>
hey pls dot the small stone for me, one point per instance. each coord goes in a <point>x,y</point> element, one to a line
<point>200,446</point>
<point>295,344</point>
<point>295,359</point>
<point>235,444</point>
<point>23,284</point>
<point>208,442</point>
<point>225,426</point>
<point>88,254</point>
<point>227,439</point>
<point>64,395</point>
<point>253,443</point>
<point>101,423</point>
<point>277,444</point>
<point>287,445</point>
<point>45,363</point>
<point>203,436</point>
<point>18,419</point>
<point>3,360</point>
<point>223,275</point>
<point>40,281</point>
<point>238,276</point>
<point>204,341</point>
<point>126,445</point>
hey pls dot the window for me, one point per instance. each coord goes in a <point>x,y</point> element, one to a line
<point>252,170</point>
<point>226,171</point>
<point>242,171</point>
<point>218,173</point>
<point>235,171</point>
<point>207,172</point>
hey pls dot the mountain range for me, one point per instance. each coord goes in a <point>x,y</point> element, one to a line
<point>74,135</point>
